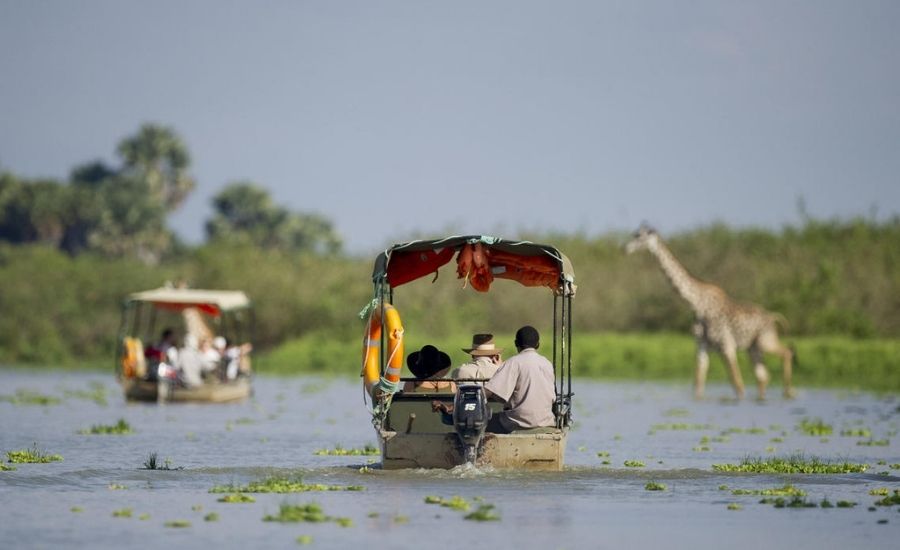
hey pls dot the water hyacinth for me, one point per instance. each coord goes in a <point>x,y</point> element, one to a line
<point>282,485</point>
<point>31,456</point>
<point>119,428</point>
<point>237,498</point>
<point>796,464</point>
<point>654,486</point>
<point>368,450</point>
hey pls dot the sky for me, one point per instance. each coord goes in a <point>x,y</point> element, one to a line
<point>421,118</point>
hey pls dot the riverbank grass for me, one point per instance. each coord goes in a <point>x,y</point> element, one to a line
<point>31,456</point>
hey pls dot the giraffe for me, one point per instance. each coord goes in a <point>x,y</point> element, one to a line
<point>721,324</point>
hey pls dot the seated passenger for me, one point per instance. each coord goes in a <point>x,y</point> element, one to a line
<point>163,355</point>
<point>190,362</point>
<point>525,383</point>
<point>485,361</point>
<point>429,365</point>
<point>210,358</point>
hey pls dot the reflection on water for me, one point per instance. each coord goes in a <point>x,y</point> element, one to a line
<point>589,505</point>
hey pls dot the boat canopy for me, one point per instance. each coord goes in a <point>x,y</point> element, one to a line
<point>213,302</point>
<point>480,259</point>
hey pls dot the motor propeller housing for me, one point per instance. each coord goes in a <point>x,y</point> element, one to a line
<point>471,414</point>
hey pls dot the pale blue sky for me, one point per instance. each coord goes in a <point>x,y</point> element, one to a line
<point>431,116</point>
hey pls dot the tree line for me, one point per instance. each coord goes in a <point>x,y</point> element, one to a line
<point>120,211</point>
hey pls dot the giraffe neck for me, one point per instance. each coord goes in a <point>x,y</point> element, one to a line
<point>687,286</point>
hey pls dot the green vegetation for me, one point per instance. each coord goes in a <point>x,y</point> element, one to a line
<point>734,506</point>
<point>857,432</point>
<point>282,485</point>
<point>152,463</point>
<point>212,516</point>
<point>814,426</point>
<point>116,487</point>
<point>680,427</point>
<point>31,456</point>
<point>144,517</point>
<point>655,486</point>
<point>787,490</point>
<point>889,500</point>
<point>28,397</point>
<point>76,509</point>
<point>368,450</point>
<point>311,513</point>
<point>304,540</point>
<point>122,513</point>
<point>634,464</point>
<point>454,503</point>
<point>874,442</point>
<point>119,428</point>
<point>178,523</point>
<point>5,468</point>
<point>237,497</point>
<point>796,464</point>
<point>485,512</point>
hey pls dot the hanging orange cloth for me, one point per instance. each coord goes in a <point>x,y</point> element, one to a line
<point>473,265</point>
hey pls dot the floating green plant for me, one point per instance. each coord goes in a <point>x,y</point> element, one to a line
<point>874,442</point>
<point>122,513</point>
<point>29,397</point>
<point>119,428</point>
<point>634,464</point>
<point>845,504</point>
<point>236,498</point>
<point>431,499</point>
<point>76,509</point>
<point>144,517</point>
<point>753,431</point>
<point>293,513</point>
<point>5,468</point>
<point>399,520</point>
<point>177,524</point>
<point>734,506</point>
<point>679,426</point>
<point>895,466</point>
<point>31,456</point>
<point>282,485</point>
<point>795,502</point>
<point>603,454</point>
<point>796,464</point>
<point>814,426</point>
<point>783,491</point>
<point>304,540</point>
<point>368,450</point>
<point>676,412</point>
<point>212,516</point>
<point>485,512</point>
<point>856,432</point>
<point>116,487</point>
<point>777,440</point>
<point>152,463</point>
<point>196,507</point>
<point>701,448</point>
<point>655,486</point>
<point>880,491</point>
<point>889,500</point>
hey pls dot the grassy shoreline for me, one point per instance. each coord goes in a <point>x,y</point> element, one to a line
<point>824,361</point>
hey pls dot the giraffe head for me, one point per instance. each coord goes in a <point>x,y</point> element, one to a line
<point>644,238</point>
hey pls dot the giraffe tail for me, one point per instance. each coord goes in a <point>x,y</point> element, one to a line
<point>781,320</point>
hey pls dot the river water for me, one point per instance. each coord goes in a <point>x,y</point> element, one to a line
<point>589,505</point>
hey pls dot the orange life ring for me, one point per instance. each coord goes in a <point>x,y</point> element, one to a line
<point>132,358</point>
<point>372,346</point>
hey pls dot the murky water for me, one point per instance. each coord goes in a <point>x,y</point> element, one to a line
<point>589,505</point>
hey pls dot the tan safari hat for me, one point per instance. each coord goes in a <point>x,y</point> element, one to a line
<point>483,344</point>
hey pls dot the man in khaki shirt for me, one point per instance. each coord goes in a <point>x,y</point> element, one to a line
<point>526,383</point>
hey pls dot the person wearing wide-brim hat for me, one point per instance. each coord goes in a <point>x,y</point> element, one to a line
<point>486,359</point>
<point>429,365</point>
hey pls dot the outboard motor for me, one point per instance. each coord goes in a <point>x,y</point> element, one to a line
<point>470,418</point>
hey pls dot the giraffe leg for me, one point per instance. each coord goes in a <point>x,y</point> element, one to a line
<point>759,370</point>
<point>770,343</point>
<point>729,351</point>
<point>702,368</point>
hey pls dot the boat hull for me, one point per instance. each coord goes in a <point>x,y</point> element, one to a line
<point>544,450</point>
<point>220,392</point>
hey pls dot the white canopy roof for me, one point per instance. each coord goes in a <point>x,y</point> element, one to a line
<point>223,300</point>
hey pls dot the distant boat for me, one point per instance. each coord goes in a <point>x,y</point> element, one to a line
<point>185,344</point>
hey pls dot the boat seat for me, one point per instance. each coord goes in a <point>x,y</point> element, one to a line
<point>404,405</point>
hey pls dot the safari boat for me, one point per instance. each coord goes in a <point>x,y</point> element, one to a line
<point>149,373</point>
<point>410,434</point>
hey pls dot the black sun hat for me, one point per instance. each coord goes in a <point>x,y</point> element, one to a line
<point>427,362</point>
